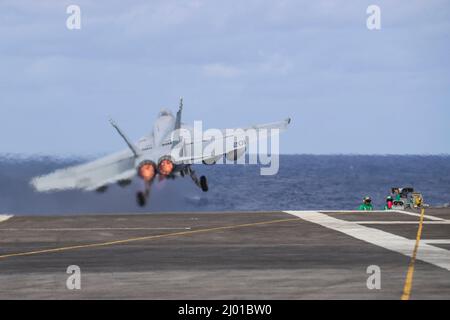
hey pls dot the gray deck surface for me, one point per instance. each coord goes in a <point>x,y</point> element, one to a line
<point>239,255</point>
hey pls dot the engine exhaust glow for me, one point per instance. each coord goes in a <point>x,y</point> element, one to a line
<point>165,167</point>
<point>147,170</point>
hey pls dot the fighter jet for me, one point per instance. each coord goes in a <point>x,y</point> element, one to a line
<point>162,154</point>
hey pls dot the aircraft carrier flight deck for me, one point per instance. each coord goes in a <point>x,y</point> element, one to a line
<point>239,255</point>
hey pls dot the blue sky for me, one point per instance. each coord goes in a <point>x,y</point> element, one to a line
<point>347,89</point>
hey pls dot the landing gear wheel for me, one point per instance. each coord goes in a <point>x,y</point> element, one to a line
<point>203,183</point>
<point>141,198</point>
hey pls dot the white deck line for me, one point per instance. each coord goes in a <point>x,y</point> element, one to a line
<point>437,241</point>
<point>384,211</point>
<point>418,215</point>
<point>401,222</point>
<point>4,217</point>
<point>427,253</point>
<point>90,229</point>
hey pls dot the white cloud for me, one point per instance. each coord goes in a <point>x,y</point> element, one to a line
<point>275,64</point>
<point>221,70</point>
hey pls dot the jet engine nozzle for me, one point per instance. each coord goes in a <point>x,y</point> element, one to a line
<point>165,166</point>
<point>147,170</point>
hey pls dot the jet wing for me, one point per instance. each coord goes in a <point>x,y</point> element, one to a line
<point>228,141</point>
<point>91,175</point>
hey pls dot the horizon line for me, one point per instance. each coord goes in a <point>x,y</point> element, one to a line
<point>98,155</point>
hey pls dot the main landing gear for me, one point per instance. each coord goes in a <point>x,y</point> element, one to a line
<point>142,196</point>
<point>202,183</point>
<point>141,199</point>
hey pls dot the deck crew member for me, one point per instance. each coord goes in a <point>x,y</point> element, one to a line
<point>389,203</point>
<point>366,205</point>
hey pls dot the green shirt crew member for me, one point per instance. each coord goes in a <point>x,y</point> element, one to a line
<point>366,205</point>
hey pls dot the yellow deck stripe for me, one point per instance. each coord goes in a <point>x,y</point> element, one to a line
<point>174,234</point>
<point>409,276</point>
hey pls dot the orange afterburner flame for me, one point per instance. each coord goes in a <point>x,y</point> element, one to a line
<point>147,171</point>
<point>165,167</point>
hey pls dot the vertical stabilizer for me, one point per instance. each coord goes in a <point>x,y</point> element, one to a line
<point>178,119</point>
<point>176,139</point>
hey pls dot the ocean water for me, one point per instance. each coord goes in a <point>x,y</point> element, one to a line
<point>303,182</point>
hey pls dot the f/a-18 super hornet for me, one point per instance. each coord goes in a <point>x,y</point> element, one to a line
<point>164,153</point>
